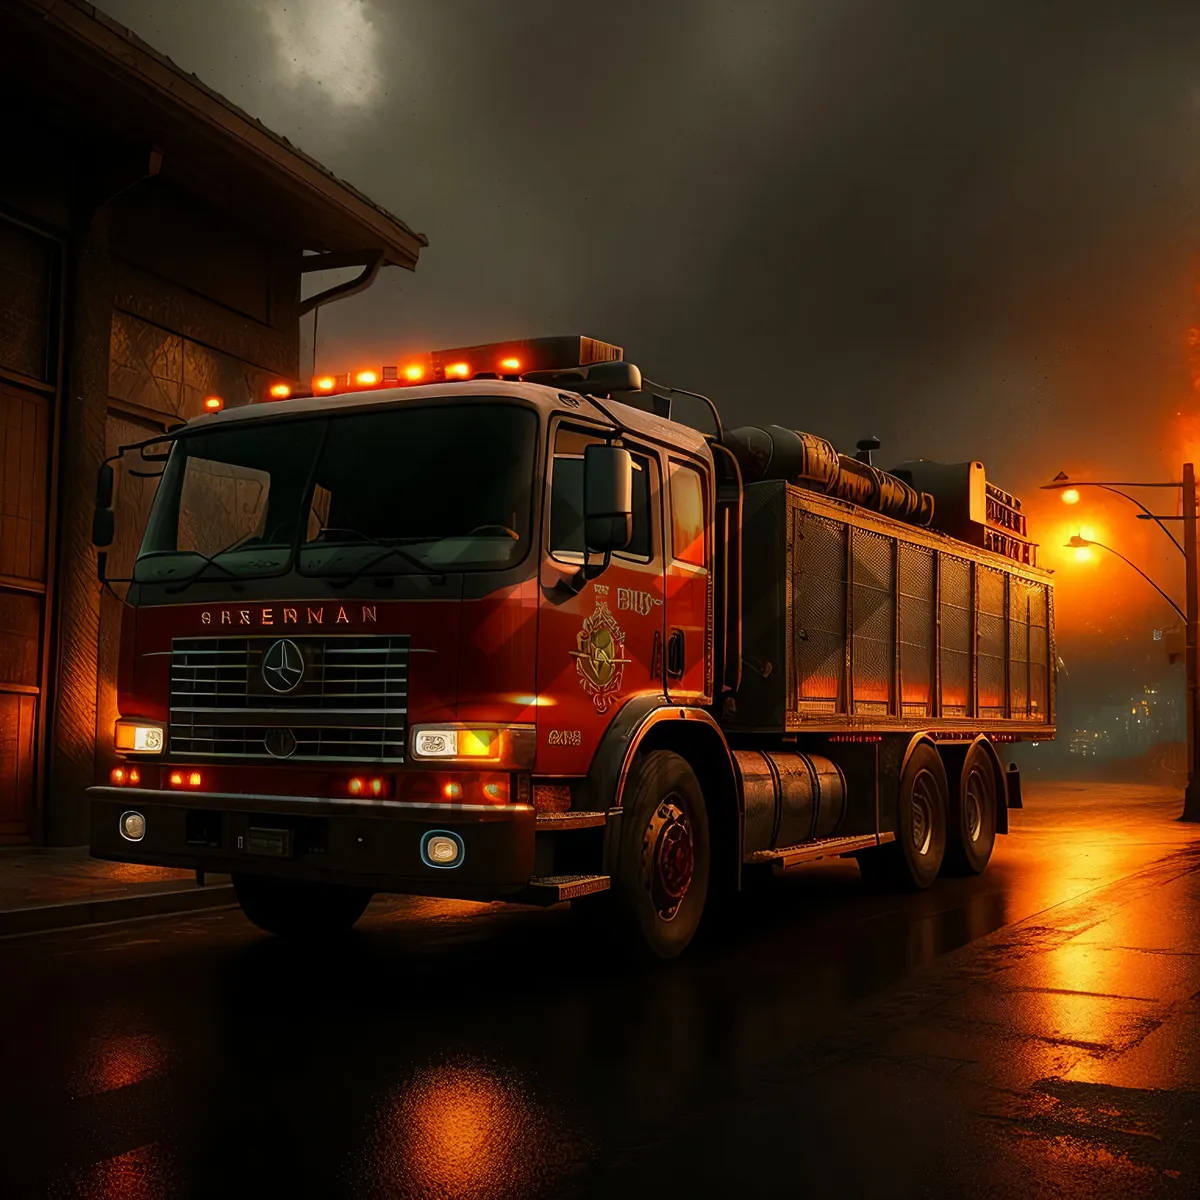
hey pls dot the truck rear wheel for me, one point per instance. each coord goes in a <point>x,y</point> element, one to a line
<point>913,860</point>
<point>291,909</point>
<point>972,833</point>
<point>660,880</point>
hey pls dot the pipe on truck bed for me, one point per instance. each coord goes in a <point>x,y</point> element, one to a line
<point>809,461</point>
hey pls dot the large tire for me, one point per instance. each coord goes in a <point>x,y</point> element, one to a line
<point>291,909</point>
<point>913,860</point>
<point>973,799</point>
<point>660,878</point>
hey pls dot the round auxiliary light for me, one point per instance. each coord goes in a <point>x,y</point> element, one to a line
<point>132,826</point>
<point>441,848</point>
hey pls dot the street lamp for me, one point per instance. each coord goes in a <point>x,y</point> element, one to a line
<point>1082,543</point>
<point>1070,489</point>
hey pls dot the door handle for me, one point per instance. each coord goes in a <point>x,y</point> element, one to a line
<point>675,654</point>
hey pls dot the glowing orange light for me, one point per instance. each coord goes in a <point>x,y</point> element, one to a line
<point>356,787</point>
<point>452,791</point>
<point>213,403</point>
<point>1071,496</point>
<point>413,373</point>
<point>1083,554</point>
<point>376,787</point>
<point>366,378</point>
<point>194,779</point>
<point>458,370</point>
<point>511,364</point>
<point>135,776</point>
<point>117,776</point>
<point>325,384</point>
<point>176,779</point>
<point>281,391</point>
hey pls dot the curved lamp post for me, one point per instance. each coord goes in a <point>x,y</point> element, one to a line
<point>1082,543</point>
<point>1191,612</point>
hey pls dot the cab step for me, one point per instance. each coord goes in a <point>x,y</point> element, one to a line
<point>558,821</point>
<point>835,847</point>
<point>554,889</point>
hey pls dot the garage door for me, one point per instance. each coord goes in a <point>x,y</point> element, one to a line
<point>29,271</point>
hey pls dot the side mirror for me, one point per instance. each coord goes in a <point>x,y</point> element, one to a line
<point>103,521</point>
<point>103,527</point>
<point>104,486</point>
<point>607,498</point>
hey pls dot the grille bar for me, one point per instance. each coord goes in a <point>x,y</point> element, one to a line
<point>350,703</point>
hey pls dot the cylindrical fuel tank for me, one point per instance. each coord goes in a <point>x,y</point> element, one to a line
<point>772,452</point>
<point>789,798</point>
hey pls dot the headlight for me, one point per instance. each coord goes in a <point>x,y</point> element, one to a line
<point>139,737</point>
<point>496,745</point>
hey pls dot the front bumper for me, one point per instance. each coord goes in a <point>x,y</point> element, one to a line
<point>368,844</point>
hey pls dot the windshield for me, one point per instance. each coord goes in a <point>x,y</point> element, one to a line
<point>401,491</point>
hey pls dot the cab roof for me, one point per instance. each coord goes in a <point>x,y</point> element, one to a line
<point>547,400</point>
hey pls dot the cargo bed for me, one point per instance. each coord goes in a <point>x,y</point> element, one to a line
<point>853,621</point>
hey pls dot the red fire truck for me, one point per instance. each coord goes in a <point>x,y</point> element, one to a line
<point>510,622</point>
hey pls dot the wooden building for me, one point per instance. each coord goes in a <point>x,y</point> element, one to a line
<point>153,239</point>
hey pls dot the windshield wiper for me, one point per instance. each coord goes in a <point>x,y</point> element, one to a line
<point>210,560</point>
<point>388,552</point>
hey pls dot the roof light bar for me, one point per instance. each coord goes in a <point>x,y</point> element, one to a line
<point>495,360</point>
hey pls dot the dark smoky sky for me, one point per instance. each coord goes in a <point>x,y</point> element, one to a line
<point>966,228</point>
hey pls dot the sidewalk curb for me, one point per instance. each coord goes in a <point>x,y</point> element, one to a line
<point>47,917</point>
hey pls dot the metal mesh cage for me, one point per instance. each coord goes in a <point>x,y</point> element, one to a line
<point>873,610</point>
<point>915,570</point>
<point>954,613</point>
<point>819,612</point>
<point>990,629</point>
<point>1039,652</point>
<point>1018,648</point>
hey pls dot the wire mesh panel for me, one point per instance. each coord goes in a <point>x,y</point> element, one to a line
<point>819,612</point>
<point>915,581</point>
<point>1039,652</point>
<point>954,614</point>
<point>1018,648</point>
<point>874,615</point>
<point>992,650</point>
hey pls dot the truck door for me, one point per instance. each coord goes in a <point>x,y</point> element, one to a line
<point>689,583</point>
<point>602,644</point>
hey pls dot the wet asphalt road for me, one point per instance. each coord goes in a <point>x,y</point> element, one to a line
<point>454,1050</point>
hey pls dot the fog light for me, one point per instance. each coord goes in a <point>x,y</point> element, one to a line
<point>132,826</point>
<point>441,848</point>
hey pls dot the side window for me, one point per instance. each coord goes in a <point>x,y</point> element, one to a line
<point>687,515</point>
<point>566,499</point>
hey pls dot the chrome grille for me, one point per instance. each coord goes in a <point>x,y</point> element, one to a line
<point>350,703</point>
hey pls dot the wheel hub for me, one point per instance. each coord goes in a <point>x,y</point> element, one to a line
<point>668,857</point>
<point>973,807</point>
<point>923,809</point>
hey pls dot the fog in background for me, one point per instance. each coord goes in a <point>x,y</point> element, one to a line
<point>966,228</point>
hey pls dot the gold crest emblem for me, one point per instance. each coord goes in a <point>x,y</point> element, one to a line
<point>600,657</point>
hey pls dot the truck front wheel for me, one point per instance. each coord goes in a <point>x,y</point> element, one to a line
<point>292,909</point>
<point>660,881</point>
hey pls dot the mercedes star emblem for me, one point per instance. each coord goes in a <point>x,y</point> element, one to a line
<point>282,666</point>
<point>281,743</point>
